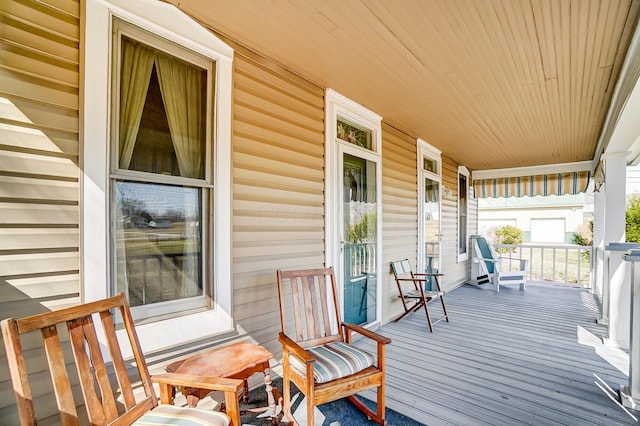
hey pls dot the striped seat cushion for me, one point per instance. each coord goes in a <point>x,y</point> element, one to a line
<point>182,416</point>
<point>335,360</point>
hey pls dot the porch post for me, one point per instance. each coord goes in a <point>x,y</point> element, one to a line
<point>598,273</point>
<point>630,394</point>
<point>614,232</point>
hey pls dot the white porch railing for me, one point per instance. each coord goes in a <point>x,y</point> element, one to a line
<point>566,265</point>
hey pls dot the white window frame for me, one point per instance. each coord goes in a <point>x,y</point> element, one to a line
<point>165,21</point>
<point>426,150</point>
<point>462,170</point>
<point>337,105</point>
<point>171,308</point>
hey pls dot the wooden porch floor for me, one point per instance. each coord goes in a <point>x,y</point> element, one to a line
<point>507,358</point>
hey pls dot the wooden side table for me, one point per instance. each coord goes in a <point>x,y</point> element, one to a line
<point>236,361</point>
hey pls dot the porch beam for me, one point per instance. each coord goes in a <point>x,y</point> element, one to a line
<point>532,170</point>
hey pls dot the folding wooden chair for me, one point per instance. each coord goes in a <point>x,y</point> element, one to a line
<point>417,297</point>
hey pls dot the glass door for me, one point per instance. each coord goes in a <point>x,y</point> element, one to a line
<point>431,223</point>
<point>359,239</point>
<point>430,210</point>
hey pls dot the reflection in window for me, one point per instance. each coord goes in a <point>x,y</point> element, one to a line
<point>431,224</point>
<point>360,233</point>
<point>354,134</point>
<point>462,213</point>
<point>430,165</point>
<point>158,243</point>
<point>359,196</point>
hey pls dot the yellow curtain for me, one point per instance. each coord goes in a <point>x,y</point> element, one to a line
<point>137,64</point>
<point>181,87</point>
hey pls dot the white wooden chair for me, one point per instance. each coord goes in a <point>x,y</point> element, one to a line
<point>487,266</point>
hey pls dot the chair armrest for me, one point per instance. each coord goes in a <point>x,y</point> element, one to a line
<point>524,263</point>
<point>296,349</point>
<point>413,280</point>
<point>519,259</point>
<point>200,382</point>
<point>383,340</point>
<point>430,274</point>
<point>232,389</point>
<point>488,259</point>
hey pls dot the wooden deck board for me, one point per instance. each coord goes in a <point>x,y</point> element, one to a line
<point>507,358</point>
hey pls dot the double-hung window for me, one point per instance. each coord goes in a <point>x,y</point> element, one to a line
<point>161,179</point>
<point>156,175</point>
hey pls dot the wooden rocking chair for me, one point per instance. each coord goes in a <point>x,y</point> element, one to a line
<point>99,400</point>
<point>313,338</point>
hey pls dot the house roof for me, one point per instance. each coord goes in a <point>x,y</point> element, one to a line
<point>493,84</point>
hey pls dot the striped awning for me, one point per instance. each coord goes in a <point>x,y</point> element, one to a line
<point>520,186</point>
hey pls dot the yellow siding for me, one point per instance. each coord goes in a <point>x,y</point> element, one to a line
<point>39,190</point>
<point>449,245</point>
<point>39,173</point>
<point>399,211</point>
<point>278,188</point>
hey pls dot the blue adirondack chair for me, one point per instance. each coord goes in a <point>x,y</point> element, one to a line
<point>487,266</point>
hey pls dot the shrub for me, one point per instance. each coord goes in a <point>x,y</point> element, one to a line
<point>508,235</point>
<point>583,236</point>
<point>633,219</point>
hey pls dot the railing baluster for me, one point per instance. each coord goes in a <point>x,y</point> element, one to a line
<point>553,270</point>
<point>566,264</point>
<point>579,278</point>
<point>542,264</point>
<point>536,271</point>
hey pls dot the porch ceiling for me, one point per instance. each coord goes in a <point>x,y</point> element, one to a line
<point>493,84</point>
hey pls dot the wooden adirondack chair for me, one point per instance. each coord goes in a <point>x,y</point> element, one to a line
<point>93,372</point>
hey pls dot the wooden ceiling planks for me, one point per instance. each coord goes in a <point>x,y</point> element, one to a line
<point>493,84</point>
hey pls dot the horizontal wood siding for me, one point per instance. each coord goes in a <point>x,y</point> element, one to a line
<point>399,211</point>
<point>39,174</point>
<point>278,188</point>
<point>455,272</point>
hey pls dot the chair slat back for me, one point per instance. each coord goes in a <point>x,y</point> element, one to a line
<point>118,362</point>
<point>402,269</point>
<point>91,367</point>
<point>58,370</point>
<point>309,306</point>
<point>485,252</point>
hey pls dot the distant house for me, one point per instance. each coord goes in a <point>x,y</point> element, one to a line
<point>550,219</point>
